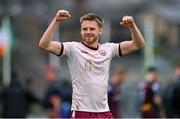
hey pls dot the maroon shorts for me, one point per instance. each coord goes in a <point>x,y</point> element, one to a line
<point>79,114</point>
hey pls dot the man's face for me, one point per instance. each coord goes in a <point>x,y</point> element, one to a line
<point>90,31</point>
<point>118,78</point>
<point>152,76</point>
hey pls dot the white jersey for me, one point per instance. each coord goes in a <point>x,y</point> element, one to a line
<point>89,70</point>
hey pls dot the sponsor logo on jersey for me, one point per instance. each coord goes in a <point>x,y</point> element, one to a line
<point>84,52</point>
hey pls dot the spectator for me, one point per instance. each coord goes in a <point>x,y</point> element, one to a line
<point>150,100</point>
<point>56,94</point>
<point>114,91</point>
<point>16,100</point>
<point>176,93</point>
<point>167,98</point>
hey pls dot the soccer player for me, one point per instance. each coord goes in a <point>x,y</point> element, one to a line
<point>89,61</point>
<point>149,95</point>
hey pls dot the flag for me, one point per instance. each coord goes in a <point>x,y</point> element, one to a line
<point>5,36</point>
<point>5,48</point>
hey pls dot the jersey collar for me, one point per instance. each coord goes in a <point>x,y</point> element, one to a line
<point>92,48</point>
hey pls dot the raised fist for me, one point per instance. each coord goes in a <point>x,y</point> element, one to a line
<point>127,21</point>
<point>62,15</point>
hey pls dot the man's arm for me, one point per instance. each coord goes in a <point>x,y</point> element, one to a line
<point>137,41</point>
<point>46,41</point>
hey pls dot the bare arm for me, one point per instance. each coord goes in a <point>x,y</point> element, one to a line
<point>46,42</point>
<point>137,41</point>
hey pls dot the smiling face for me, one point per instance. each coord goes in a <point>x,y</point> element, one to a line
<point>91,28</point>
<point>90,31</point>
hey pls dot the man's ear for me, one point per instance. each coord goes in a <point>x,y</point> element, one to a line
<point>100,31</point>
<point>80,32</point>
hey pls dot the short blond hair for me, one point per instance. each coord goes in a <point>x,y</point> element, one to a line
<point>92,17</point>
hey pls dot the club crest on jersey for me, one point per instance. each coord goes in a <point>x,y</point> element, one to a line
<point>102,52</point>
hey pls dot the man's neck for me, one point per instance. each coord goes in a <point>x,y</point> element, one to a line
<point>92,45</point>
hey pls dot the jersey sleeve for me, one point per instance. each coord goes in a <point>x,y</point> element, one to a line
<point>115,49</point>
<point>67,48</point>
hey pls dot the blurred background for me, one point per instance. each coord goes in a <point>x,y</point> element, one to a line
<point>23,22</point>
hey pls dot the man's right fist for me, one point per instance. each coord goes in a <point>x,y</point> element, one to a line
<point>62,15</point>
